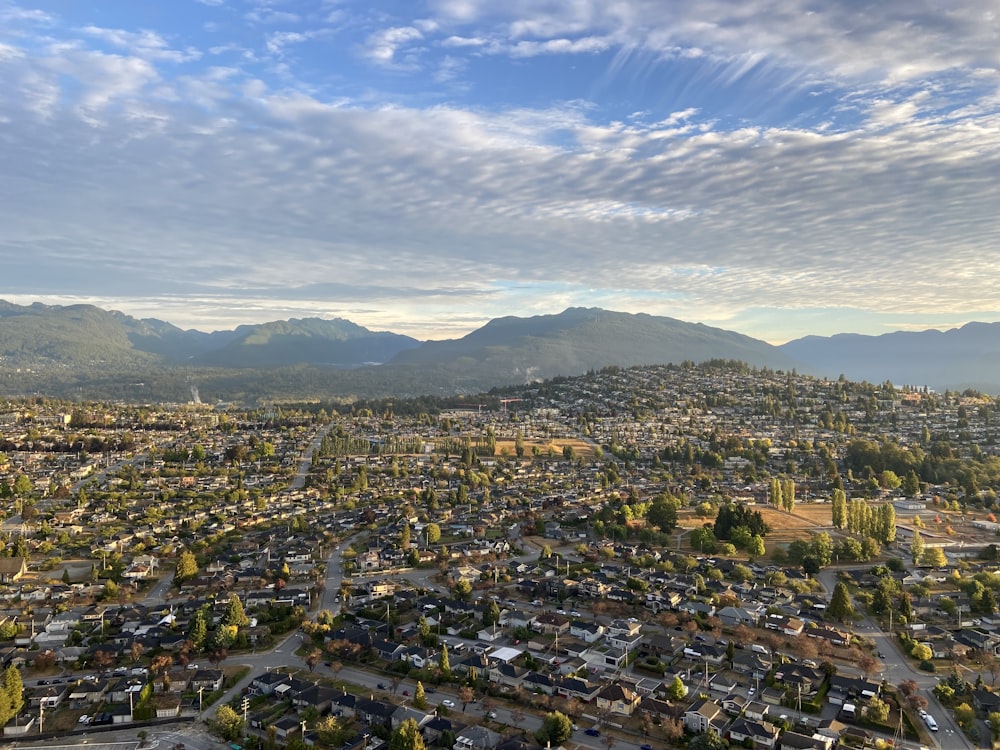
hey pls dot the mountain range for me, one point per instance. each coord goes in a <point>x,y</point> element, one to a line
<point>88,351</point>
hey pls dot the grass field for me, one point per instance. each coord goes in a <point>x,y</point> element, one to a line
<point>580,448</point>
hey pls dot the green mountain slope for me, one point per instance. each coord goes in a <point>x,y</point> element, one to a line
<point>515,350</point>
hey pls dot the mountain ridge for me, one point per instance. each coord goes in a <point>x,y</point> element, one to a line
<point>78,346</point>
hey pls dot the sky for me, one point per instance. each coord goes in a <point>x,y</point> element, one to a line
<point>774,167</point>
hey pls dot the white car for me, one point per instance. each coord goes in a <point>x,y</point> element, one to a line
<point>448,703</point>
<point>83,719</point>
<point>930,722</point>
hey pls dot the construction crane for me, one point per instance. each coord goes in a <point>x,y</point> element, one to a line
<point>505,401</point>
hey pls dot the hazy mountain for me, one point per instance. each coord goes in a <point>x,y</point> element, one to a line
<point>84,335</point>
<point>966,357</point>
<point>314,340</point>
<point>515,350</point>
<point>86,351</point>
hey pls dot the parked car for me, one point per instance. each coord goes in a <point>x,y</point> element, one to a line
<point>592,732</point>
<point>647,746</point>
<point>381,686</point>
<point>448,703</point>
<point>406,692</point>
<point>930,722</point>
<point>85,719</point>
<point>491,715</point>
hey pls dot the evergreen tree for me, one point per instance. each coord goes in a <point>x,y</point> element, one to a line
<point>198,630</point>
<point>840,603</point>
<point>235,615</point>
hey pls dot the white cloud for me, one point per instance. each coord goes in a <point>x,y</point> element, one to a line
<point>383,46</point>
<point>145,44</point>
<point>241,188</point>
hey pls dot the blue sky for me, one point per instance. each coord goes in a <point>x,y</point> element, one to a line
<point>776,167</point>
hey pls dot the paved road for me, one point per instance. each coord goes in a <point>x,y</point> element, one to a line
<point>897,666</point>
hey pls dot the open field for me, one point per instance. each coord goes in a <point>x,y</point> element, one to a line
<point>581,448</point>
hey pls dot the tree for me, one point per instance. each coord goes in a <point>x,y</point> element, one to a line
<point>444,664</point>
<point>709,740</point>
<point>466,695</point>
<point>462,590</point>
<point>878,709</point>
<point>187,567</point>
<point>921,652</point>
<point>419,697</point>
<point>404,536</point>
<point>229,723</point>
<point>916,547</point>
<point>838,500</point>
<point>313,658</point>
<point>407,737</point>
<point>933,557</point>
<point>756,546</point>
<point>964,715</point>
<point>491,613</point>
<point>556,729</point>
<point>994,721</point>
<point>11,694</point>
<point>235,615</point>
<point>433,533</point>
<point>677,690</point>
<point>840,603</point>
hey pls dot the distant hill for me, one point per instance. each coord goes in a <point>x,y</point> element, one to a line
<point>87,336</point>
<point>966,357</point>
<point>515,350</point>
<point>88,352</point>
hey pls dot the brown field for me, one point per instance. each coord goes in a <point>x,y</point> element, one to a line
<point>581,448</point>
<point>813,514</point>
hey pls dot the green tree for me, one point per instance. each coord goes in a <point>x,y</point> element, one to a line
<point>407,737</point>
<point>186,568</point>
<point>11,694</point>
<point>235,615</point>
<point>916,547</point>
<point>444,664</point>
<point>198,629</point>
<point>840,603</point>
<point>676,690</point>
<point>994,722</point>
<point>419,697</point>
<point>556,729</point>
<point>933,557</point>
<point>964,715</point>
<point>404,536</point>
<point>756,546</point>
<point>709,740</point>
<point>463,590</point>
<point>838,501</point>
<point>878,709</point>
<point>911,483</point>
<point>433,533</point>
<point>921,652</point>
<point>491,613</point>
<point>229,723</point>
